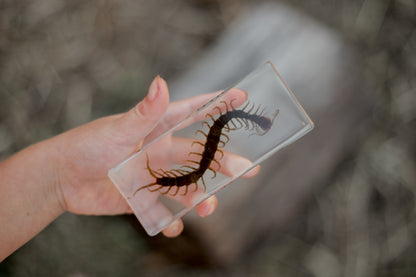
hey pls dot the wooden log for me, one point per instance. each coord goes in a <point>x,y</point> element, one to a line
<point>324,75</point>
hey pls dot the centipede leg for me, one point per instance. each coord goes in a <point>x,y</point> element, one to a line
<point>235,126</point>
<point>245,106</point>
<point>173,172</point>
<point>262,111</point>
<point>186,190</point>
<point>147,186</point>
<point>195,153</point>
<point>167,191</point>
<point>258,108</point>
<point>196,186</point>
<point>190,167</point>
<point>205,123</point>
<point>203,182</point>
<point>221,152</point>
<point>177,190</point>
<point>197,142</point>
<point>226,105</point>
<point>167,173</point>
<point>210,116</point>
<point>191,161</point>
<point>240,122</point>
<point>182,171</point>
<point>218,163</point>
<point>179,171</point>
<point>231,104</point>
<point>156,189</point>
<point>199,131</point>
<point>247,123</point>
<point>251,109</point>
<point>213,171</point>
<point>227,137</point>
<point>219,110</point>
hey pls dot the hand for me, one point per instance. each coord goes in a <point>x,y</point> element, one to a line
<point>85,154</point>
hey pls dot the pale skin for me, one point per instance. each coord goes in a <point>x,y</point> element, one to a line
<point>69,172</point>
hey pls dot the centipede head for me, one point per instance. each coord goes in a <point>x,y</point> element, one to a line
<point>262,131</point>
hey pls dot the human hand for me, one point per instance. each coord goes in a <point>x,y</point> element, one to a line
<point>85,154</point>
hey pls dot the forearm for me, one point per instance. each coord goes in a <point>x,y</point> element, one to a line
<point>28,197</point>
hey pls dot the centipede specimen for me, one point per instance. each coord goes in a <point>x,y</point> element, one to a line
<point>248,117</point>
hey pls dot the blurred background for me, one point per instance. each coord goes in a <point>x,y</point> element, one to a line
<point>339,202</point>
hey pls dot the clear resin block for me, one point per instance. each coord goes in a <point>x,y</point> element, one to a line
<point>206,150</point>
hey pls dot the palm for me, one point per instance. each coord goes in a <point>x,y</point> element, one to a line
<point>96,147</point>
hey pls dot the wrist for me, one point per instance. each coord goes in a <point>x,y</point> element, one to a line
<point>28,196</point>
<point>50,164</point>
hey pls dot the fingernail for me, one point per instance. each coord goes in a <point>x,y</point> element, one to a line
<point>154,88</point>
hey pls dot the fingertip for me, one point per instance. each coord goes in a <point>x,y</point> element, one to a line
<point>207,207</point>
<point>174,229</point>
<point>252,172</point>
<point>157,99</point>
<point>239,96</point>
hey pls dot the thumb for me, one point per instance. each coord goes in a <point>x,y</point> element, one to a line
<point>138,122</point>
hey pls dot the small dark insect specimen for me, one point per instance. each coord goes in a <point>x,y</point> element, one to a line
<point>229,121</point>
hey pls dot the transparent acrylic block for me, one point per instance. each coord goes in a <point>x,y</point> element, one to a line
<point>206,150</point>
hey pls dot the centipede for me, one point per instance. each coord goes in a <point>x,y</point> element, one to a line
<point>249,117</point>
